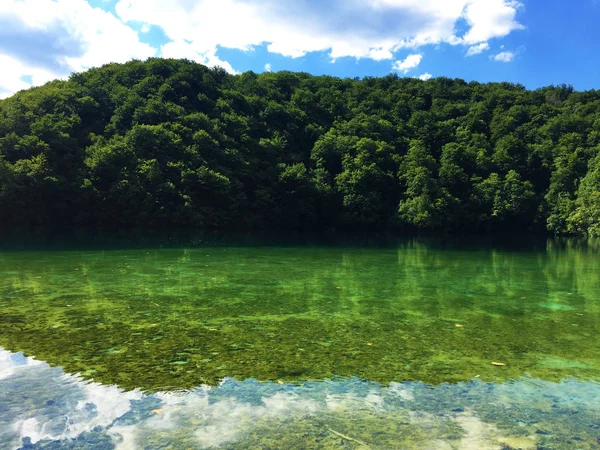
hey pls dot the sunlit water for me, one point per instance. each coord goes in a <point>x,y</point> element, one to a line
<point>410,345</point>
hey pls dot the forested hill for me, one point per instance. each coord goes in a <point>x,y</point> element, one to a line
<point>173,143</point>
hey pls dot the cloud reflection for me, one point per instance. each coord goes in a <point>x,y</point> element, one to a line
<point>40,405</point>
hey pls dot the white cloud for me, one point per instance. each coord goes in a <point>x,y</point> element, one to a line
<point>425,76</point>
<point>47,39</point>
<point>477,49</point>
<point>373,29</point>
<point>14,73</point>
<point>380,54</point>
<point>409,63</point>
<point>10,76</point>
<point>504,57</point>
<point>185,50</point>
<point>490,19</point>
<point>268,67</point>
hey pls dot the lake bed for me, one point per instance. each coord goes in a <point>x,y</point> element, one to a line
<point>316,346</point>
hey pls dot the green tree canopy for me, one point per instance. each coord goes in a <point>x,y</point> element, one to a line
<point>173,143</point>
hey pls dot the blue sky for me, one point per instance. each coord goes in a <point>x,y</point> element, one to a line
<point>533,42</point>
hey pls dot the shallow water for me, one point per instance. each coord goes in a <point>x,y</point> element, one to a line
<point>41,407</point>
<point>377,346</point>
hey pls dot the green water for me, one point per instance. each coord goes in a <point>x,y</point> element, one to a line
<point>165,319</point>
<point>351,346</point>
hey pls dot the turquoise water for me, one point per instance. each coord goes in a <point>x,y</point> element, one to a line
<point>406,345</point>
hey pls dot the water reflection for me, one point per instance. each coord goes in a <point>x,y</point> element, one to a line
<point>182,317</point>
<point>41,407</point>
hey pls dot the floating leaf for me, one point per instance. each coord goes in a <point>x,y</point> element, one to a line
<point>498,364</point>
<point>157,411</point>
<point>458,325</point>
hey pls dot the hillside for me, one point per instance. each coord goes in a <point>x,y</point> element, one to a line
<point>170,143</point>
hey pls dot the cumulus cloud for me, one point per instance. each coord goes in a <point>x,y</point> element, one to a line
<point>425,76</point>
<point>30,43</point>
<point>47,39</point>
<point>13,73</point>
<point>268,67</point>
<point>477,49</point>
<point>490,19</point>
<point>373,29</point>
<point>380,54</point>
<point>191,51</point>
<point>409,63</point>
<point>504,57</point>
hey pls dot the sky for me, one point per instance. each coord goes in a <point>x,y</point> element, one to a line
<point>532,42</point>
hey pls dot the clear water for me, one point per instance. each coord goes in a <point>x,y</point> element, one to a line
<point>411,345</point>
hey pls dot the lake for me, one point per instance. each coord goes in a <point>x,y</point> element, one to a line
<point>413,343</point>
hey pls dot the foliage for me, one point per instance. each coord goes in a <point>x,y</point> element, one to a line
<point>173,143</point>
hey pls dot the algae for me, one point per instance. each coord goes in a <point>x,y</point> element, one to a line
<point>149,318</point>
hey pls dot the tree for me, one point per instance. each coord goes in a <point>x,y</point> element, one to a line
<point>173,143</point>
<point>417,176</point>
<point>585,218</point>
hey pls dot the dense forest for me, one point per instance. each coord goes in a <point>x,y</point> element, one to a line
<point>171,143</point>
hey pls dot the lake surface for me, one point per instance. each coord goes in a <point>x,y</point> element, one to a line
<point>412,344</point>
